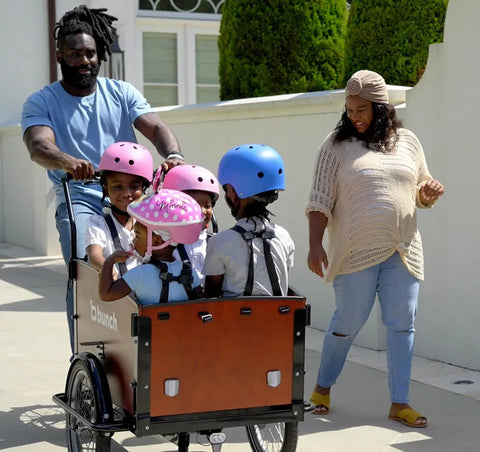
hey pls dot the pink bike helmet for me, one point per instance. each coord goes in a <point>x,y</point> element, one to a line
<point>129,158</point>
<point>192,177</point>
<point>174,215</point>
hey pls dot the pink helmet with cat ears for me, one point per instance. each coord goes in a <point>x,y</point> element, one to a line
<point>174,215</point>
<point>129,158</point>
<point>192,177</point>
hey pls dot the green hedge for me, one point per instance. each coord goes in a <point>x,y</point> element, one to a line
<point>281,46</point>
<point>392,37</point>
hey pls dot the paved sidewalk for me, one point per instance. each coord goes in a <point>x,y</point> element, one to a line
<point>35,352</point>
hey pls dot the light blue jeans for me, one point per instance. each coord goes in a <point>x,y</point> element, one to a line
<point>82,212</point>
<point>355,295</point>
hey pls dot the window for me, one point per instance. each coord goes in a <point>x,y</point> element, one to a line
<point>180,52</point>
<point>183,6</point>
<point>180,61</point>
<point>206,69</point>
<point>160,77</point>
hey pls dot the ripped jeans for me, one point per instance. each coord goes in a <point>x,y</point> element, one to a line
<point>355,295</point>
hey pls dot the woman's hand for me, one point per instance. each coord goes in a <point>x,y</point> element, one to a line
<point>317,260</point>
<point>317,257</point>
<point>431,191</point>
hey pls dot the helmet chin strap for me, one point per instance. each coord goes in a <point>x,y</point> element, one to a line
<point>118,211</point>
<point>143,259</point>
<point>163,245</point>
<point>150,248</point>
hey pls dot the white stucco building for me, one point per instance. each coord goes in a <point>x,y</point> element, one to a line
<point>440,110</point>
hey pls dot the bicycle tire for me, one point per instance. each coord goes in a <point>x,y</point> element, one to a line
<point>276,437</point>
<point>83,397</point>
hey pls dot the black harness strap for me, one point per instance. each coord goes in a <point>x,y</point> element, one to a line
<point>165,278</point>
<point>185,278</point>
<point>266,235</point>
<point>272,274</point>
<point>116,241</point>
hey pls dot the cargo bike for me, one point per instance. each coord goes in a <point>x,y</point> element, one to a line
<point>181,367</point>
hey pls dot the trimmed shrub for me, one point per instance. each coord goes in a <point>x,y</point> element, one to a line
<point>278,47</point>
<point>392,37</point>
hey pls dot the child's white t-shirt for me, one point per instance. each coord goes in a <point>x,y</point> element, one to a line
<point>196,253</point>
<point>98,233</point>
<point>228,254</point>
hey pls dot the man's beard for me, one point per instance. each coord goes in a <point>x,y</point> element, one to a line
<point>72,76</point>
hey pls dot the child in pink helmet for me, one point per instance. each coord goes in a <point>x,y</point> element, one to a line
<point>201,185</point>
<point>162,221</point>
<point>126,171</point>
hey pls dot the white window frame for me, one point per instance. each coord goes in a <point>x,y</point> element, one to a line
<point>185,30</point>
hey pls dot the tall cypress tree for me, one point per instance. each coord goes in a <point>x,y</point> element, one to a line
<point>277,47</point>
<point>392,37</point>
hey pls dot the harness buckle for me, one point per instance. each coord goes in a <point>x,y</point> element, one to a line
<point>249,235</point>
<point>166,276</point>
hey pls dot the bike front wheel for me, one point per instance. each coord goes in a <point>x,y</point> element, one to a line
<point>82,396</point>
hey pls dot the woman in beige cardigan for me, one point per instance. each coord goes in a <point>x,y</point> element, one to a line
<point>370,175</point>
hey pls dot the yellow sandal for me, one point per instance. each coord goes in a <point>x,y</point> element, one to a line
<point>408,416</point>
<point>321,402</point>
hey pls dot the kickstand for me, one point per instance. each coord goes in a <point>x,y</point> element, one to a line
<point>183,441</point>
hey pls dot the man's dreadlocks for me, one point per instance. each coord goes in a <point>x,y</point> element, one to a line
<point>93,22</point>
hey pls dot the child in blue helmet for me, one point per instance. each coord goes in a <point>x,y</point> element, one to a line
<point>253,257</point>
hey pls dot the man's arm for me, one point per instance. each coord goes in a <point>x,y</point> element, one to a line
<point>162,137</point>
<point>40,142</point>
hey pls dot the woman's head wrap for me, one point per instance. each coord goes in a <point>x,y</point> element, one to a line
<point>369,86</point>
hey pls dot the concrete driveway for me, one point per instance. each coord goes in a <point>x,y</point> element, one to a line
<point>34,350</point>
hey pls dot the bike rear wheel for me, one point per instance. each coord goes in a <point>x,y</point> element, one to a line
<point>276,437</point>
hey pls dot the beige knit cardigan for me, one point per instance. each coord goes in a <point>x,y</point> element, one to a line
<point>369,198</point>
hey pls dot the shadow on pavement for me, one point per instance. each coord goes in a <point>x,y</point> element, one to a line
<point>21,426</point>
<point>27,287</point>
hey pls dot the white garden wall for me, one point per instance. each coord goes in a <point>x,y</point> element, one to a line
<point>441,110</point>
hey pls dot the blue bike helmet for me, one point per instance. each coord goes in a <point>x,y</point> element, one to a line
<point>252,169</point>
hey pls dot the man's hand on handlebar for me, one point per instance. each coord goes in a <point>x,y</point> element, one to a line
<point>170,163</point>
<point>79,169</point>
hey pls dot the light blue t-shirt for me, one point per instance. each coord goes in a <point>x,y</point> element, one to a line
<point>145,281</point>
<point>85,126</point>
